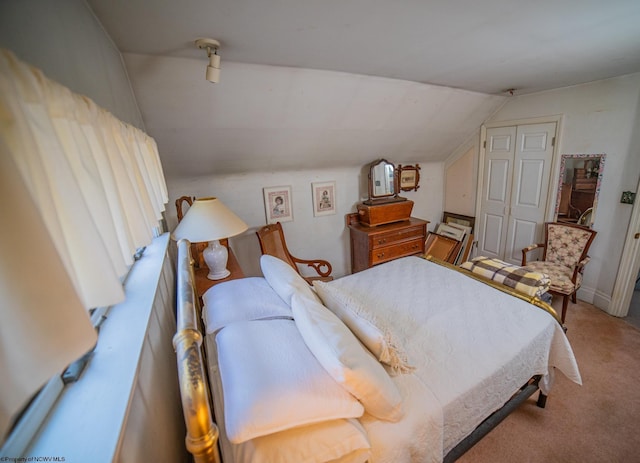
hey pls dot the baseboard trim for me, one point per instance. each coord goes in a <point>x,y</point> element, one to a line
<point>598,298</point>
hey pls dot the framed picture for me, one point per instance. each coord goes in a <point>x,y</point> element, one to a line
<point>277,204</point>
<point>442,248</point>
<point>465,220</point>
<point>409,177</point>
<point>324,198</point>
<point>454,231</point>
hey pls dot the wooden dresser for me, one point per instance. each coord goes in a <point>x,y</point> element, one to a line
<point>374,245</point>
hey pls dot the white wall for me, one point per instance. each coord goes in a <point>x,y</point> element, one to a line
<point>599,117</point>
<point>461,183</point>
<point>65,40</point>
<point>324,237</point>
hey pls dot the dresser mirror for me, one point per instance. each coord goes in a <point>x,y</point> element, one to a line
<point>578,188</point>
<point>383,182</point>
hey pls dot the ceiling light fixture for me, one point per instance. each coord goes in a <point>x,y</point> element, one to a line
<point>213,69</point>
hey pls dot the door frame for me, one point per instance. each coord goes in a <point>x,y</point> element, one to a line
<point>555,160</point>
<point>628,268</point>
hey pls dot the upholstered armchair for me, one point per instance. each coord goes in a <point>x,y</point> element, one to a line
<point>564,255</point>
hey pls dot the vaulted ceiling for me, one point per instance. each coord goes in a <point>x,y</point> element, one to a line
<point>312,84</point>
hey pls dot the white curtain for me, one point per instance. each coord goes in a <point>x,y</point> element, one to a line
<point>80,192</point>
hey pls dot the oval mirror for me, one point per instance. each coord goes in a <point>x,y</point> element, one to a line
<point>382,180</point>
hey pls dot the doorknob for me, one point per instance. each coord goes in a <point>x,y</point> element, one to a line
<point>636,236</point>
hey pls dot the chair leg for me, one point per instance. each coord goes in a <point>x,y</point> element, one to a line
<point>565,303</point>
<point>574,299</point>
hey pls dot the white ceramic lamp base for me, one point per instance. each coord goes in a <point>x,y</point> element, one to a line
<point>216,255</point>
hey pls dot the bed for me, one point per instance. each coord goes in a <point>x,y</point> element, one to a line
<point>427,358</point>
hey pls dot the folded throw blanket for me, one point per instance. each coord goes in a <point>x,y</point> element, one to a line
<point>518,278</point>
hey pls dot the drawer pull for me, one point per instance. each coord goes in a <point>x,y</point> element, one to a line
<point>382,241</point>
<point>381,255</point>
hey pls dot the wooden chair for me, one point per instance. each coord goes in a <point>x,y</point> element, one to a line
<point>564,256</point>
<point>272,242</point>
<point>566,211</point>
<point>180,204</point>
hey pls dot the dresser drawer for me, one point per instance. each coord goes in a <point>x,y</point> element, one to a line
<point>406,248</point>
<point>396,236</point>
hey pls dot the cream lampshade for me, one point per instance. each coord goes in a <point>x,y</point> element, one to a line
<point>210,220</point>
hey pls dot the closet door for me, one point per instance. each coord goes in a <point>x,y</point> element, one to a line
<point>494,206</point>
<point>516,175</point>
<point>530,190</point>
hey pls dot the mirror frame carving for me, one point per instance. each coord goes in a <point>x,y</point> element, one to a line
<point>564,158</point>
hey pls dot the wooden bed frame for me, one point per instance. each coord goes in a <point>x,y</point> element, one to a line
<point>202,432</point>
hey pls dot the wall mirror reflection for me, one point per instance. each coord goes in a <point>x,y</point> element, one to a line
<point>383,182</point>
<point>578,188</point>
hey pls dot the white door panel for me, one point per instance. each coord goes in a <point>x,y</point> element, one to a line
<point>493,226</point>
<point>529,183</point>
<point>533,158</point>
<point>497,173</point>
<point>535,141</point>
<point>500,142</point>
<point>499,177</point>
<point>522,234</point>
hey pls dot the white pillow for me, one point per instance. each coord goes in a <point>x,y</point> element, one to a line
<point>283,278</point>
<point>346,360</point>
<point>315,443</point>
<point>272,382</point>
<point>365,326</point>
<point>243,299</point>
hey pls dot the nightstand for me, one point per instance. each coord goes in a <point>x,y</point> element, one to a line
<point>203,283</point>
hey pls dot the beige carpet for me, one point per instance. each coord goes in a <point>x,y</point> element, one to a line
<point>597,422</point>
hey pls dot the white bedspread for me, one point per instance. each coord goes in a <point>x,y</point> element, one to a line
<point>472,345</point>
<point>417,437</point>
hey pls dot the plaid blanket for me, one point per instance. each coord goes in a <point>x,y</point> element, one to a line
<point>518,278</point>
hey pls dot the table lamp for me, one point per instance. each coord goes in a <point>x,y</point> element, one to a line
<point>209,220</point>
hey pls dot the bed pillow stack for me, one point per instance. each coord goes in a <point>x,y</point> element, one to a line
<point>268,378</point>
<point>333,344</point>
<point>294,376</point>
<point>380,342</point>
<point>279,402</point>
<point>345,359</point>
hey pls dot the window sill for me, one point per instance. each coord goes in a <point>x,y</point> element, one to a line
<point>87,422</point>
